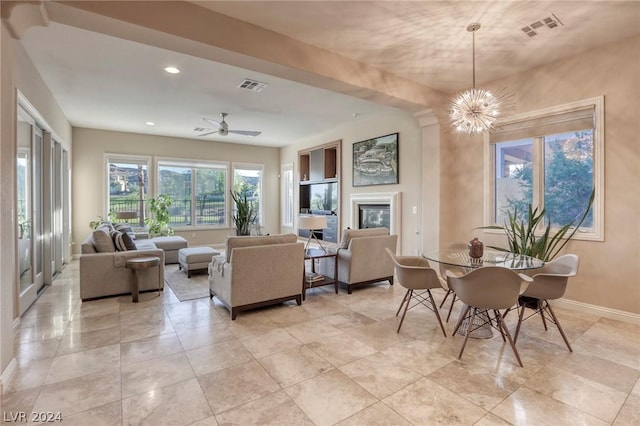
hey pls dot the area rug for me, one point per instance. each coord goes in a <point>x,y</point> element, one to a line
<point>185,288</point>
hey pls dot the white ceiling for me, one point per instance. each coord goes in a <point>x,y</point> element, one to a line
<point>111,83</point>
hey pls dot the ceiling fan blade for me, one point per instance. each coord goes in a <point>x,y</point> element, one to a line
<point>208,133</point>
<point>249,133</point>
<point>208,120</point>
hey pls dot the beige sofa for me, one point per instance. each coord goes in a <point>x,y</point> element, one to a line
<point>362,258</point>
<point>103,272</point>
<point>257,271</point>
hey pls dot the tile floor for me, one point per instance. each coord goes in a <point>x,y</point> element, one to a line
<point>335,360</point>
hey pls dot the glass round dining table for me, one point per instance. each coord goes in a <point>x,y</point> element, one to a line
<point>460,258</point>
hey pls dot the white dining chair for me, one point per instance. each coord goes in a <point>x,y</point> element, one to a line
<point>549,283</point>
<point>456,271</point>
<point>415,274</point>
<point>485,291</point>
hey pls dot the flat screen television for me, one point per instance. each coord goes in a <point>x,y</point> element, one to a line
<point>323,198</point>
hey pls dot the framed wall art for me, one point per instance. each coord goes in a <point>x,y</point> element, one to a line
<point>375,161</point>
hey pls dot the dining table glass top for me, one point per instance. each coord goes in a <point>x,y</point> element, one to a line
<point>460,257</point>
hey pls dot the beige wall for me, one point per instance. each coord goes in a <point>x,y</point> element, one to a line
<point>89,188</point>
<point>410,167</point>
<point>609,271</point>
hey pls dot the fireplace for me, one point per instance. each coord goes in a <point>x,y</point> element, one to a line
<point>390,199</point>
<point>374,216</point>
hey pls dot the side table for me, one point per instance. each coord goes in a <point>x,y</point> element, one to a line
<point>313,254</point>
<point>137,264</point>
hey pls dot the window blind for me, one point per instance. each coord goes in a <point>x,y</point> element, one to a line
<point>566,121</point>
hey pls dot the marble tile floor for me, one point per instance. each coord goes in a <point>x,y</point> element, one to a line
<point>336,360</point>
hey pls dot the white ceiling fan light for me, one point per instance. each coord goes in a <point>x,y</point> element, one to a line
<point>223,128</point>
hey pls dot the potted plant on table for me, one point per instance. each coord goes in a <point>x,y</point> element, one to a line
<point>158,222</point>
<point>524,238</point>
<point>244,215</point>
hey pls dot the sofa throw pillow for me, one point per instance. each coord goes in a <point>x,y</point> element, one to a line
<point>106,224</point>
<point>102,241</point>
<point>118,241</point>
<point>128,242</point>
<point>123,227</point>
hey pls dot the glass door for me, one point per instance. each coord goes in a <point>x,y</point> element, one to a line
<point>29,201</point>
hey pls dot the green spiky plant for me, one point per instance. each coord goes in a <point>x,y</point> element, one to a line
<point>244,215</point>
<point>522,234</point>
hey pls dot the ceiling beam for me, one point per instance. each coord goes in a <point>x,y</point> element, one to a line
<point>187,28</point>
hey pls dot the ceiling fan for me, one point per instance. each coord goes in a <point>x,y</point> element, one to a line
<point>223,128</point>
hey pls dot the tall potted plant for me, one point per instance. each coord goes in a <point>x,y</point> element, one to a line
<point>244,214</point>
<point>524,238</point>
<point>158,222</point>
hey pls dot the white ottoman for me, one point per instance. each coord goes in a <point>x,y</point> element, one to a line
<point>195,258</point>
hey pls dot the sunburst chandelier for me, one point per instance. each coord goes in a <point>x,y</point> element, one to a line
<point>476,110</point>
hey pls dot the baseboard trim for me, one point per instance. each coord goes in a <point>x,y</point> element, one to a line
<point>614,314</point>
<point>8,375</point>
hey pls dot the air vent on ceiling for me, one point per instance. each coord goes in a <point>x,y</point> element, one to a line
<point>252,85</point>
<point>550,22</point>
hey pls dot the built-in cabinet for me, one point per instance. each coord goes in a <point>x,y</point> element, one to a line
<point>319,187</point>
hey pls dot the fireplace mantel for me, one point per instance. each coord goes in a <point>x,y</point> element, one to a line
<point>392,198</point>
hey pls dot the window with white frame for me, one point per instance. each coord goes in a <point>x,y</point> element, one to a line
<point>286,189</point>
<point>247,180</point>
<point>198,189</point>
<point>127,187</point>
<point>551,159</point>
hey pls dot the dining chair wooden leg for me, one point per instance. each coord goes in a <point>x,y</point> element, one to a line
<point>435,310</point>
<point>506,311</point>
<point>466,336</point>
<point>520,319</point>
<point>555,320</point>
<point>406,307</point>
<point>541,311</point>
<point>497,315</point>
<point>404,299</point>
<point>445,297</point>
<point>513,345</point>
<point>461,320</point>
<point>453,300</point>
<point>402,303</point>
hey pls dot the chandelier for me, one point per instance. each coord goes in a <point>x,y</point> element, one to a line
<point>476,110</point>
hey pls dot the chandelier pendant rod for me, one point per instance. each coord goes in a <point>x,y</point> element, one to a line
<point>473,47</point>
<point>472,28</point>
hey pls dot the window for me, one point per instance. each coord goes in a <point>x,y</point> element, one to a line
<point>552,159</point>
<point>247,179</point>
<point>128,184</point>
<point>286,188</point>
<point>198,191</point>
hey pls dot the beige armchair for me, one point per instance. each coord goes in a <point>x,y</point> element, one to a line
<point>362,258</point>
<point>257,271</point>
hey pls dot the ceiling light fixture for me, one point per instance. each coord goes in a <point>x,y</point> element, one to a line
<point>476,110</point>
<point>172,70</point>
<point>149,123</point>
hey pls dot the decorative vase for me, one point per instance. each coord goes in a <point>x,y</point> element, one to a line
<point>476,248</point>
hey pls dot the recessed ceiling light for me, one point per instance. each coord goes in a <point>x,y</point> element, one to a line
<point>149,123</point>
<point>355,114</point>
<point>172,70</point>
